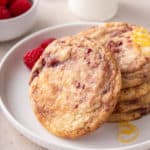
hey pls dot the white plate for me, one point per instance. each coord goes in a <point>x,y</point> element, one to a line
<point>14,77</point>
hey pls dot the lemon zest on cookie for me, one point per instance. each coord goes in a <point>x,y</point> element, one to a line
<point>141,38</point>
<point>127,133</point>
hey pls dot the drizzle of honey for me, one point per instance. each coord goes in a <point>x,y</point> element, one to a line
<point>141,37</point>
<point>128,132</point>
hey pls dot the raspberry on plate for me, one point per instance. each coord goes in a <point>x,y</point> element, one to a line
<point>18,7</point>
<point>47,42</point>
<point>4,13</point>
<point>32,56</point>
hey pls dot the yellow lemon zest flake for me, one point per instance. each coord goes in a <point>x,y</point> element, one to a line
<point>141,37</point>
<point>141,40</point>
<point>127,133</point>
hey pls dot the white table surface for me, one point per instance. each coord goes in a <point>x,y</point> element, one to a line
<point>53,12</point>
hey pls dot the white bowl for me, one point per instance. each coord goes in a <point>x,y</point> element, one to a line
<point>15,27</point>
<point>15,103</point>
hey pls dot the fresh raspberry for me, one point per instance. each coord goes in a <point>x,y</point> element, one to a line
<point>47,42</point>
<point>4,13</point>
<point>32,56</point>
<point>4,2</point>
<point>18,7</point>
<point>10,2</point>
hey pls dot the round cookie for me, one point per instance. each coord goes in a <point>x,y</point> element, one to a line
<point>127,106</point>
<point>120,38</point>
<point>74,86</point>
<point>129,116</point>
<point>134,92</point>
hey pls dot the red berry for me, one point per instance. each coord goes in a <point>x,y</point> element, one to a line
<point>3,2</point>
<point>32,56</point>
<point>4,13</point>
<point>18,7</point>
<point>10,2</point>
<point>47,42</point>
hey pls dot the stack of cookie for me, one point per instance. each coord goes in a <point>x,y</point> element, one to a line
<point>130,45</point>
<point>76,84</point>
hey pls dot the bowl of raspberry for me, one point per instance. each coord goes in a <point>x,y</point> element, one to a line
<point>17,17</point>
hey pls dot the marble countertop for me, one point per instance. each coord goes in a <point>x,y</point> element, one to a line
<point>53,12</point>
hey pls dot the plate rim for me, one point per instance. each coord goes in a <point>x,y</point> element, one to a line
<point>27,132</point>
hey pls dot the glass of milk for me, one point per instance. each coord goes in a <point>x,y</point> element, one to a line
<point>96,10</point>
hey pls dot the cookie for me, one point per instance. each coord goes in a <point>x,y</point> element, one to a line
<point>127,106</point>
<point>74,86</point>
<point>133,56</point>
<point>134,79</point>
<point>129,116</point>
<point>134,92</point>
